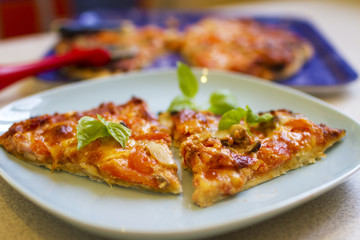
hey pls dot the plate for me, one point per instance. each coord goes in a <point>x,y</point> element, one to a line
<point>326,72</point>
<point>132,214</point>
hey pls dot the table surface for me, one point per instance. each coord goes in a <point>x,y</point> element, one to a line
<point>333,215</point>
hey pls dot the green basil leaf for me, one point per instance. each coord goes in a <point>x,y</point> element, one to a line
<point>118,131</point>
<point>266,117</point>
<point>231,117</point>
<point>88,130</point>
<point>254,118</point>
<point>187,80</point>
<point>236,115</point>
<point>251,117</point>
<point>222,101</point>
<point>181,102</point>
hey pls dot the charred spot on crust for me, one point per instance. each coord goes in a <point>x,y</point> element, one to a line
<point>331,133</point>
<point>136,100</point>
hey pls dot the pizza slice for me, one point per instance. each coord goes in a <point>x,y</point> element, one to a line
<point>225,162</point>
<point>144,160</point>
<point>246,46</point>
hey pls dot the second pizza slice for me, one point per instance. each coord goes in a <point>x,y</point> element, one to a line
<point>144,161</point>
<point>242,155</point>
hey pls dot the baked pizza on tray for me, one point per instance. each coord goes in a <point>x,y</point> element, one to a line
<point>239,45</point>
<point>246,46</point>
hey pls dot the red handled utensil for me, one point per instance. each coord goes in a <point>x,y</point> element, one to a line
<point>91,57</point>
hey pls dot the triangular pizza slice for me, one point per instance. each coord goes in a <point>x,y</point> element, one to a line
<point>226,162</point>
<point>145,161</point>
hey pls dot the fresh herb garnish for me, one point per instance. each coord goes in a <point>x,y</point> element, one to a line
<point>182,102</point>
<point>253,118</point>
<point>187,81</point>
<point>234,116</point>
<point>220,101</point>
<point>89,129</point>
<point>189,87</point>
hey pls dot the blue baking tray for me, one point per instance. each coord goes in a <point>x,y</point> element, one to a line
<point>327,71</point>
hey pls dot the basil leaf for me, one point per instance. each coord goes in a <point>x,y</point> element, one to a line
<point>231,117</point>
<point>222,101</point>
<point>88,130</point>
<point>254,118</point>
<point>266,117</point>
<point>187,80</point>
<point>236,115</point>
<point>181,102</point>
<point>118,131</point>
<point>251,117</point>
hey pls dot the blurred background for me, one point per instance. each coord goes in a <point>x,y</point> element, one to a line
<point>22,17</point>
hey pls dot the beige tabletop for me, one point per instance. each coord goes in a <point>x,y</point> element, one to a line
<point>334,215</point>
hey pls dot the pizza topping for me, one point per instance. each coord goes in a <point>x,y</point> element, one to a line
<point>187,81</point>
<point>181,102</point>
<point>221,101</point>
<point>161,153</point>
<point>140,161</point>
<point>240,139</point>
<point>189,87</point>
<point>247,115</point>
<point>236,134</point>
<point>153,136</point>
<point>89,129</point>
<point>117,130</point>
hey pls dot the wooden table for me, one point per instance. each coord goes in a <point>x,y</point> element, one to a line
<point>334,215</point>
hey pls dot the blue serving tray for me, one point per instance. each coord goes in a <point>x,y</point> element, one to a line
<point>326,72</point>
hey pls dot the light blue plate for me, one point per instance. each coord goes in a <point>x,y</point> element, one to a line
<point>126,213</point>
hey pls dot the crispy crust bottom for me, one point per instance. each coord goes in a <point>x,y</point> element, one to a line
<point>92,173</point>
<point>300,160</point>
